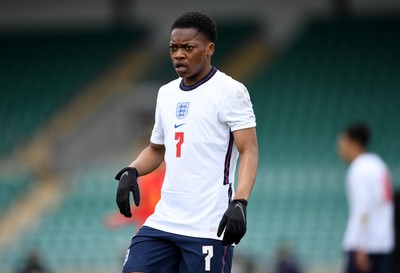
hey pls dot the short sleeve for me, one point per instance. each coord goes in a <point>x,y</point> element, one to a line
<point>157,135</point>
<point>238,110</point>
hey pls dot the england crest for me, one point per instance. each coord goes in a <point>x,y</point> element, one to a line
<point>182,109</point>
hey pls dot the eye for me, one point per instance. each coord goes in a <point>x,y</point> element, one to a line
<point>188,47</point>
<point>172,48</point>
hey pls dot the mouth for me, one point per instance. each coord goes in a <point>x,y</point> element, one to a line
<point>180,68</point>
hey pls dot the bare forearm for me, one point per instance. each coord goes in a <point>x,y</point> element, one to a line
<point>247,174</point>
<point>246,143</point>
<point>149,159</point>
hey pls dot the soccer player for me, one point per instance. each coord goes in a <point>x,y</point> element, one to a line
<point>203,121</point>
<point>369,238</point>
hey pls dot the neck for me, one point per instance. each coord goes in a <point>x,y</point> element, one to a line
<point>196,84</point>
<point>356,153</point>
<point>195,79</point>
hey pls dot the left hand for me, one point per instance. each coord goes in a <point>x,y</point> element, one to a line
<point>362,261</point>
<point>234,222</point>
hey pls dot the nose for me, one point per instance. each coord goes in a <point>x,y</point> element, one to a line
<point>179,54</point>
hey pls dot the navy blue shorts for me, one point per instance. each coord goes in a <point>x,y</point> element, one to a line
<point>156,251</point>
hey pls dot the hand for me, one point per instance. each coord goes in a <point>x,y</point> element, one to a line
<point>127,183</point>
<point>234,222</point>
<point>362,261</point>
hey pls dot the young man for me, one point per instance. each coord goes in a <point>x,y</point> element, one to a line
<point>368,239</point>
<point>203,121</point>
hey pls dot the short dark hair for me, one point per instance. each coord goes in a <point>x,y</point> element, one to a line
<point>203,23</point>
<point>358,132</point>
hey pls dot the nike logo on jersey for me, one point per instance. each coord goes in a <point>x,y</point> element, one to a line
<point>178,125</point>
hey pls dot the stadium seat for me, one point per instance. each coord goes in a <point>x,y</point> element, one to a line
<point>42,71</point>
<point>74,234</point>
<point>12,187</point>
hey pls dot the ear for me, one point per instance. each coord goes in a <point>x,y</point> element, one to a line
<point>210,49</point>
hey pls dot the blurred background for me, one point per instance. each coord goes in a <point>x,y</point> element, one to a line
<point>78,83</point>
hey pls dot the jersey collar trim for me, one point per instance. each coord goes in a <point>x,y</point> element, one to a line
<point>210,74</point>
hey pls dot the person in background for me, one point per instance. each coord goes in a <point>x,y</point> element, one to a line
<point>33,264</point>
<point>369,236</point>
<point>285,261</point>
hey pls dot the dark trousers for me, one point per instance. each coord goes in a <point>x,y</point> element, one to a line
<point>380,263</point>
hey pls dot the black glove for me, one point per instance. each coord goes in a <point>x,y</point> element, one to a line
<point>234,222</point>
<point>127,183</point>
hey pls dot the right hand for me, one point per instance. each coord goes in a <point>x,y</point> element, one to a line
<point>127,178</point>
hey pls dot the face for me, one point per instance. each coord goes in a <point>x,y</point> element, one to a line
<point>345,147</point>
<point>190,54</point>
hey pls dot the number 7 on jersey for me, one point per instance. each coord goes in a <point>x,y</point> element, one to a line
<point>179,136</point>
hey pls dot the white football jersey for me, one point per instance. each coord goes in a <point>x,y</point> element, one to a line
<point>370,195</point>
<point>195,124</point>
